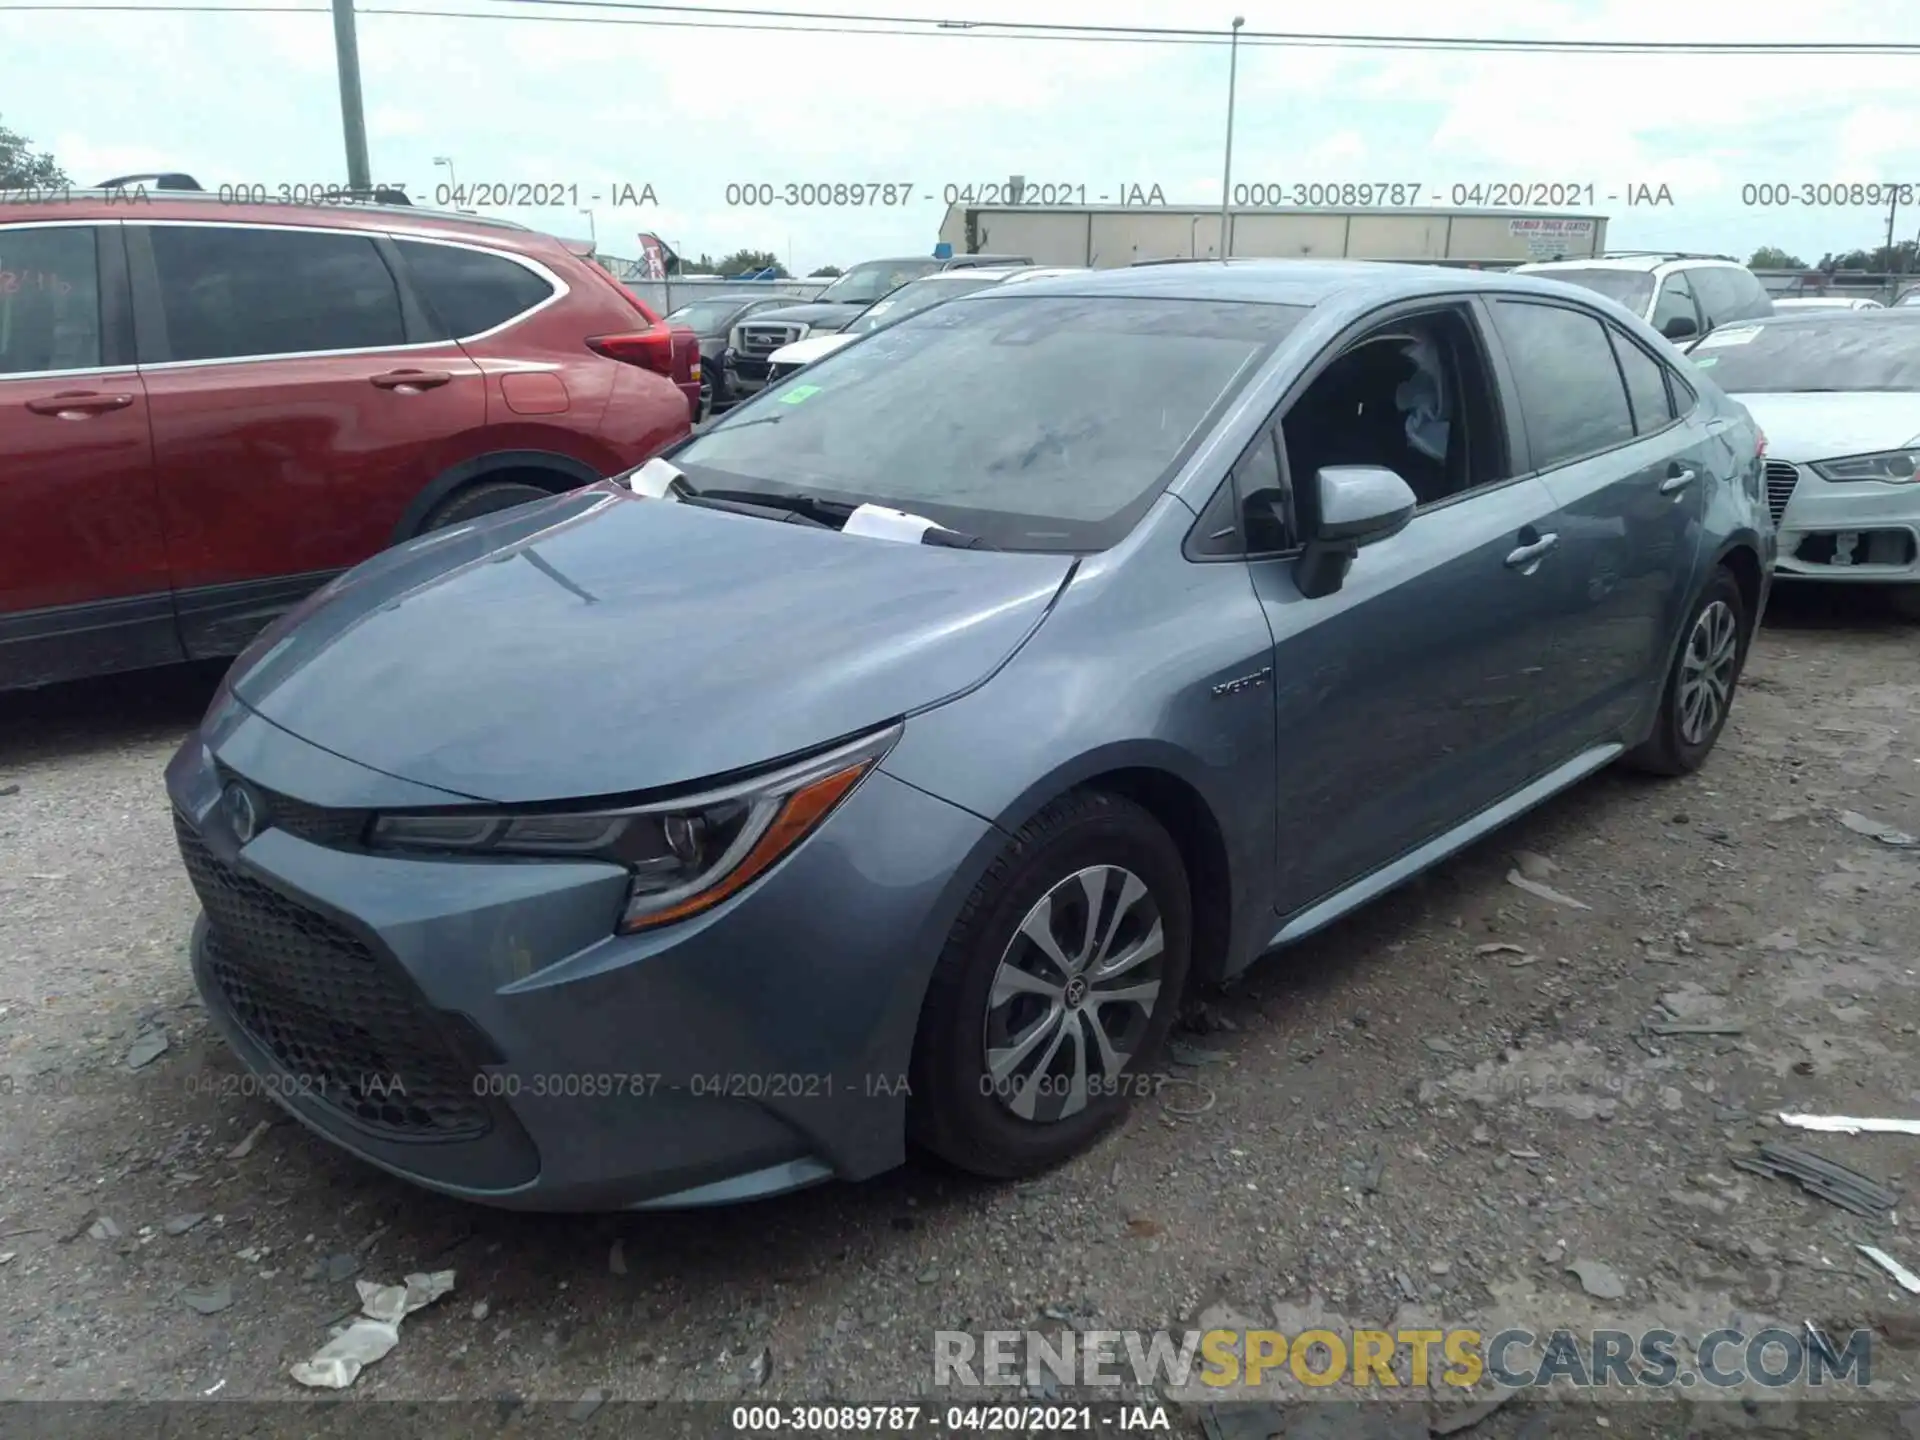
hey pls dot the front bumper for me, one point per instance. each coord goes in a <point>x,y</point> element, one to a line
<point>477,1028</point>
<point>749,373</point>
<point>1862,531</point>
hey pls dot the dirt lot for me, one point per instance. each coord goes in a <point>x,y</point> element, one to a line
<point>1434,1110</point>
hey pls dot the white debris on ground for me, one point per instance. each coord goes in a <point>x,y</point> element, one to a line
<point>338,1363</point>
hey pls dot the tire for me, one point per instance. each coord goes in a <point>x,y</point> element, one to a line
<point>482,499</point>
<point>1714,643</point>
<point>1014,1127</point>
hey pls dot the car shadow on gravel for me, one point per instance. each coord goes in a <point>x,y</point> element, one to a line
<point>109,710</point>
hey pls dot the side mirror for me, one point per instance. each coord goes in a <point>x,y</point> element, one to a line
<point>1679,327</point>
<point>1359,505</point>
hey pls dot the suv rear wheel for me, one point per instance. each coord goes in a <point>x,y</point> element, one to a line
<point>482,499</point>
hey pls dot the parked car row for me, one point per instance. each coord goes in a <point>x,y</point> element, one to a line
<point>1063,645</point>
<point>208,410</point>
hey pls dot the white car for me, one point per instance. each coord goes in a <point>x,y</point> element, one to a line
<point>1824,302</point>
<point>914,296</point>
<point>1838,395</point>
<point>1681,296</point>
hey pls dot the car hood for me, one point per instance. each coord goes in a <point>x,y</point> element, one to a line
<point>817,315</point>
<point>805,352</point>
<point>605,644</point>
<point>1801,427</point>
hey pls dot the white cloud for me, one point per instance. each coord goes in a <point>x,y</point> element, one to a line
<point>253,98</point>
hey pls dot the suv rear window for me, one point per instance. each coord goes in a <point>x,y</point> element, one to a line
<point>49,299</point>
<point>1036,422</point>
<point>228,293</point>
<point>1631,288</point>
<point>470,291</point>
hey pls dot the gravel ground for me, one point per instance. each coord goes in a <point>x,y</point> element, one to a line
<point>1432,1110</point>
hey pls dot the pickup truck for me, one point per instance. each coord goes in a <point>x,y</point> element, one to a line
<point>756,338</point>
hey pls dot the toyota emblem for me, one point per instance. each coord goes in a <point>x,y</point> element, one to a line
<point>242,814</point>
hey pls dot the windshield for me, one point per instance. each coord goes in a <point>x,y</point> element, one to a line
<point>911,299</point>
<point>1035,423</point>
<point>1847,351</point>
<point>706,317</point>
<point>1632,288</point>
<point>864,284</point>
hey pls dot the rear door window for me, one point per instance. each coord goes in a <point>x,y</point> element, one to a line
<point>469,292</point>
<point>1571,395</point>
<point>49,299</point>
<point>230,293</point>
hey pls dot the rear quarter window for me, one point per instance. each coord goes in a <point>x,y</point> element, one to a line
<point>469,292</point>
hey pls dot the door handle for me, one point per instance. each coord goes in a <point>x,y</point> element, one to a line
<point>409,381</point>
<point>78,404</point>
<point>1528,556</point>
<point>1678,480</point>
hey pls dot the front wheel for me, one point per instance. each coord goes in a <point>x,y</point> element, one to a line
<point>1054,991</point>
<point>1700,685</point>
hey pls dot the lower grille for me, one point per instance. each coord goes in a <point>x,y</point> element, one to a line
<point>329,1010</point>
<point>1781,480</point>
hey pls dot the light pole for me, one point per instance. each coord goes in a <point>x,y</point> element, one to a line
<point>1226,169</point>
<point>453,184</point>
<point>353,119</point>
<point>593,231</point>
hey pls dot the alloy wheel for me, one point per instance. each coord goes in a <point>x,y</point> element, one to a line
<point>1074,994</point>
<point>1706,672</point>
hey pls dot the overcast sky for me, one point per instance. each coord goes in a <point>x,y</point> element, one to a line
<point>252,99</point>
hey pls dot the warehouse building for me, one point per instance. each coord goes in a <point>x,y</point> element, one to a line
<point>1108,236</point>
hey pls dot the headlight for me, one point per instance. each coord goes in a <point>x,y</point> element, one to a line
<point>685,855</point>
<point>1894,467</point>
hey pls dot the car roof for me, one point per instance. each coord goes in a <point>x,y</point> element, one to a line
<point>1283,282</point>
<point>1645,264</point>
<point>1808,316</point>
<point>403,221</point>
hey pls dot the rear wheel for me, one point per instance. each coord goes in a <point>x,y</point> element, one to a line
<point>1055,990</point>
<point>483,499</point>
<point>1700,686</point>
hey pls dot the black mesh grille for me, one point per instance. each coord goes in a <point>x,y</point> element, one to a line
<point>1781,480</point>
<point>329,1009</point>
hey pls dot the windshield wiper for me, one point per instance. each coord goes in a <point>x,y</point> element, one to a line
<point>812,507</point>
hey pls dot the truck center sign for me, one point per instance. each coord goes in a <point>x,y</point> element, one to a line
<point>1548,237</point>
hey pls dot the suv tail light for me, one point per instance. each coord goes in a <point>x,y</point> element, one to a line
<point>650,349</point>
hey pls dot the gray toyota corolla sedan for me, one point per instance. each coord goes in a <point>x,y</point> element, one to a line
<point>885,763</point>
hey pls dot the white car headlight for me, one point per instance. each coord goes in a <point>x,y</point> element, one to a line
<point>1892,467</point>
<point>685,855</point>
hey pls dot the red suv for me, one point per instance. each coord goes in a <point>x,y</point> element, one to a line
<point>208,409</point>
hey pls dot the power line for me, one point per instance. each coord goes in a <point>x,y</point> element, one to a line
<point>838,23</point>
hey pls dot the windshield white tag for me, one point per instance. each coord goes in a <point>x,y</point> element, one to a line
<point>881,523</point>
<point>1743,335</point>
<point>655,480</point>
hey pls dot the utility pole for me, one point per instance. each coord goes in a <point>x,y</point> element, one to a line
<point>353,117</point>
<point>1226,168</point>
<point>1893,259</point>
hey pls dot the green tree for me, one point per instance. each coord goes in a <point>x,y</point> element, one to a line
<point>742,260</point>
<point>1772,257</point>
<point>1899,260</point>
<point>827,272</point>
<point>20,166</point>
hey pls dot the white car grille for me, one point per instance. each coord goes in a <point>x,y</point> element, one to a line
<point>761,338</point>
